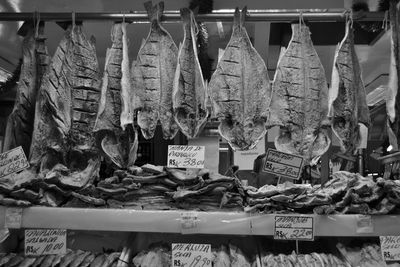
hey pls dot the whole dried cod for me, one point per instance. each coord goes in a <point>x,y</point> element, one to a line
<point>240,90</point>
<point>35,60</point>
<point>63,142</point>
<point>300,99</point>
<point>114,121</point>
<point>347,99</point>
<point>189,96</point>
<point>153,76</point>
<point>393,95</point>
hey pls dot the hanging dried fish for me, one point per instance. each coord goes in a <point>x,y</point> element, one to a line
<point>347,99</point>
<point>35,60</point>
<point>240,90</point>
<point>153,75</point>
<point>114,109</point>
<point>189,94</point>
<point>300,99</point>
<point>63,143</point>
<point>393,95</point>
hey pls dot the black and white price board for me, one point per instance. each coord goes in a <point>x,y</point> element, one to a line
<point>12,161</point>
<point>185,156</point>
<point>45,241</point>
<point>191,255</point>
<point>288,227</point>
<point>390,248</point>
<point>283,164</point>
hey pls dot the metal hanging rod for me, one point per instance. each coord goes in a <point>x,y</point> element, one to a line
<point>315,15</point>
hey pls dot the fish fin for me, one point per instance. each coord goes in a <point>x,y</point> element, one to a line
<point>133,149</point>
<point>243,16</point>
<point>236,18</point>
<point>111,148</point>
<point>154,12</point>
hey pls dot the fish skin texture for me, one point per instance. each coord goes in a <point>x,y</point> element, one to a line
<point>153,76</point>
<point>35,60</point>
<point>347,99</point>
<point>393,95</point>
<point>240,90</point>
<point>299,103</point>
<point>114,116</point>
<point>189,94</point>
<point>67,108</point>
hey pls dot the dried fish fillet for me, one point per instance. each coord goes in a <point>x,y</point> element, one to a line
<point>300,99</point>
<point>347,99</point>
<point>240,90</point>
<point>153,75</point>
<point>113,125</point>
<point>66,113</point>
<point>189,94</point>
<point>35,60</point>
<point>393,95</point>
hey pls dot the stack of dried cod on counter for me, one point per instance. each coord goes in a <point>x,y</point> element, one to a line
<point>345,193</point>
<point>73,258</point>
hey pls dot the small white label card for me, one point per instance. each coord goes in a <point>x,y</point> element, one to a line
<point>283,164</point>
<point>191,255</point>
<point>288,227</point>
<point>13,218</point>
<point>189,222</point>
<point>12,161</point>
<point>185,156</point>
<point>364,224</point>
<point>390,247</point>
<point>45,241</point>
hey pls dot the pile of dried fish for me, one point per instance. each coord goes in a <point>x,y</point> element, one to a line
<point>345,193</point>
<point>303,260</point>
<point>208,191</point>
<point>76,258</point>
<point>367,255</point>
<point>232,256</point>
<point>156,255</point>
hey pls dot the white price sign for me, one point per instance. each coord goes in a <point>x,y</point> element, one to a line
<point>45,241</point>
<point>290,227</point>
<point>283,164</point>
<point>390,247</point>
<point>191,255</point>
<point>12,161</point>
<point>185,156</point>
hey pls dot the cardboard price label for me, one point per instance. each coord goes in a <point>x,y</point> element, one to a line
<point>191,255</point>
<point>390,248</point>
<point>13,218</point>
<point>45,241</point>
<point>289,227</point>
<point>283,164</point>
<point>186,157</point>
<point>12,161</point>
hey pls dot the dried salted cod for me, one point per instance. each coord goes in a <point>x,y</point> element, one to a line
<point>153,76</point>
<point>189,94</point>
<point>300,99</point>
<point>240,90</point>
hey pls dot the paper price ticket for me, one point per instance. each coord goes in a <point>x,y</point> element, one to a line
<point>185,156</point>
<point>289,227</point>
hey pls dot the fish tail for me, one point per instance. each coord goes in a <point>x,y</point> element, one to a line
<point>154,12</point>
<point>236,18</point>
<point>186,14</point>
<point>243,16</point>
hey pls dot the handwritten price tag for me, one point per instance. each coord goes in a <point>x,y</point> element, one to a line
<point>289,227</point>
<point>283,164</point>
<point>390,247</point>
<point>45,242</point>
<point>186,157</point>
<point>12,161</point>
<point>13,218</point>
<point>191,255</point>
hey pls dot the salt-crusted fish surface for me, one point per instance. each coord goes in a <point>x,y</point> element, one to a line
<point>63,142</point>
<point>114,121</point>
<point>393,95</point>
<point>189,93</point>
<point>35,60</point>
<point>240,90</point>
<point>153,76</point>
<point>347,100</point>
<point>299,103</point>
